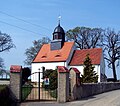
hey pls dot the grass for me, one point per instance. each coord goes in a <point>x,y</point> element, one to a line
<point>2,87</point>
<point>26,91</point>
<point>53,93</point>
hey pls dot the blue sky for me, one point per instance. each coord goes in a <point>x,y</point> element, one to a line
<point>44,14</point>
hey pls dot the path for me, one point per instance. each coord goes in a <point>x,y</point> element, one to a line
<point>105,99</point>
<point>44,95</point>
<point>4,82</point>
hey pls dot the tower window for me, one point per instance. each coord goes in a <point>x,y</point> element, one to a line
<point>56,37</point>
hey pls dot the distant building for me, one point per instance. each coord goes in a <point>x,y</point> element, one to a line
<point>61,53</point>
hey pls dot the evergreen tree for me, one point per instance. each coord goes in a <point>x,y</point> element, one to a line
<point>89,75</point>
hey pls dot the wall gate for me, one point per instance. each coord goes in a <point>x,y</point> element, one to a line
<point>38,88</point>
<point>49,85</point>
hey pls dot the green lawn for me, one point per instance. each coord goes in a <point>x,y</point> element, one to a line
<point>53,93</point>
<point>26,91</point>
<point>2,87</point>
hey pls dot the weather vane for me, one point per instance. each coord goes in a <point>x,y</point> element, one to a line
<point>59,17</point>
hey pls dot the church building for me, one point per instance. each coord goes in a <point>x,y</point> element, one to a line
<point>62,53</point>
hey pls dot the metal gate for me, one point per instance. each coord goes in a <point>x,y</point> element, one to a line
<point>38,88</point>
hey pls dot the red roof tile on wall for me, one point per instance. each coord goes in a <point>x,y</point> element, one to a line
<point>80,55</point>
<point>47,55</point>
<point>76,70</point>
<point>15,68</point>
<point>62,69</point>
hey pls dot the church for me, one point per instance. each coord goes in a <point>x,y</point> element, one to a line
<point>62,53</point>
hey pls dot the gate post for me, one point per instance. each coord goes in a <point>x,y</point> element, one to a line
<point>74,83</point>
<point>63,84</point>
<point>15,81</point>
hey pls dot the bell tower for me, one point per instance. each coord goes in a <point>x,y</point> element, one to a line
<point>58,38</point>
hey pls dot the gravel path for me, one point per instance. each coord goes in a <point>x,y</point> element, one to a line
<point>44,95</point>
<point>105,99</point>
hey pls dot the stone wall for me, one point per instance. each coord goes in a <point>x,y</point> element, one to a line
<point>63,84</point>
<point>7,98</point>
<point>15,85</point>
<point>15,81</point>
<point>86,90</point>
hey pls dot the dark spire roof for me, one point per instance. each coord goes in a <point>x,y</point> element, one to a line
<point>59,29</point>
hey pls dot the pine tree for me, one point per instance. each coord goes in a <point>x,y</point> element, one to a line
<point>89,75</point>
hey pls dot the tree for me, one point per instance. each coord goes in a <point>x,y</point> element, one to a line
<point>53,77</point>
<point>1,66</point>
<point>85,38</point>
<point>5,45</point>
<point>5,42</point>
<point>2,70</point>
<point>32,51</point>
<point>1,63</point>
<point>112,49</point>
<point>89,75</point>
<point>25,74</point>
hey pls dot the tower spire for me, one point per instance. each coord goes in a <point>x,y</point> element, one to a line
<point>59,17</point>
<point>58,37</point>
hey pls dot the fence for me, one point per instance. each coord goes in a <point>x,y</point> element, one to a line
<point>69,87</point>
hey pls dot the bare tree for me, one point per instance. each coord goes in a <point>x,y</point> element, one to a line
<point>1,63</point>
<point>85,38</point>
<point>5,45</point>
<point>112,49</point>
<point>5,42</point>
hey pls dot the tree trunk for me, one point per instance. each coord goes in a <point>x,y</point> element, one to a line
<point>114,71</point>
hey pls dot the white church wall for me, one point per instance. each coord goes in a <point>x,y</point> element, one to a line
<point>97,69</point>
<point>37,67</point>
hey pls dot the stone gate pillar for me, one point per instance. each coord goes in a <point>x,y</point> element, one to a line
<point>63,84</point>
<point>15,81</point>
<point>74,83</point>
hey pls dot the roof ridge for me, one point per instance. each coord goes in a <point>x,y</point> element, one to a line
<point>89,49</point>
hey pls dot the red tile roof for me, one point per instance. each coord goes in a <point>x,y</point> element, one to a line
<point>80,55</point>
<point>62,69</point>
<point>47,55</point>
<point>75,69</point>
<point>15,68</point>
